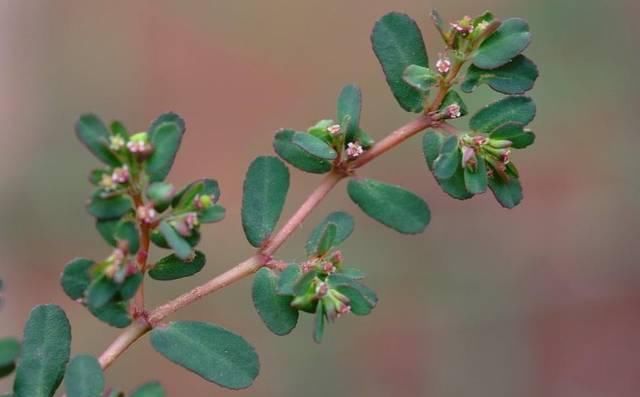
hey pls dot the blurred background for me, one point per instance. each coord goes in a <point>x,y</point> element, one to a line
<point>542,300</point>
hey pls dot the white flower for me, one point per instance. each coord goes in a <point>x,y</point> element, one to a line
<point>116,142</point>
<point>443,65</point>
<point>354,149</point>
<point>454,111</point>
<point>334,129</point>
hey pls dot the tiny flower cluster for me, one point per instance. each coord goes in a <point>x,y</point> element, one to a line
<point>496,152</point>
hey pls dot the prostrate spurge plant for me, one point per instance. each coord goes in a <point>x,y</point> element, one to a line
<point>136,208</point>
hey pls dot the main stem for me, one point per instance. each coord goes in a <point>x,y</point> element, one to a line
<point>264,255</point>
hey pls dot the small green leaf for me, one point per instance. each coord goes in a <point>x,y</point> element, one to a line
<point>75,278</point>
<point>362,300</point>
<point>320,320</point>
<point>327,239</point>
<point>84,377</point>
<point>314,146</point>
<point>128,231</point>
<point>109,207</point>
<point>107,229</point>
<point>203,187</point>
<point>420,78</point>
<point>115,314</point>
<point>293,154</point>
<point>169,117</point>
<point>208,350</point>
<point>508,193</point>
<point>274,310</point>
<point>94,135</point>
<point>152,389</point>
<point>398,43</point>
<point>101,291</point>
<point>512,109</point>
<point>450,157</point>
<point>212,214</point>
<point>475,180</point>
<point>176,242</point>
<point>130,286</point>
<point>161,194</point>
<point>516,133</point>
<point>265,191</point>
<point>193,239</point>
<point>172,268</point>
<point>454,186</point>
<point>288,279</point>
<point>349,108</point>
<point>390,205</point>
<point>452,98</point>
<point>9,352</point>
<point>515,77</point>
<point>344,223</point>
<point>504,44</point>
<point>165,138</point>
<point>45,352</point>
<point>119,129</point>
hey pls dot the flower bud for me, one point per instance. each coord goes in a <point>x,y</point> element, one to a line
<point>202,202</point>
<point>146,213</point>
<point>499,143</point>
<point>464,26</point>
<point>354,150</point>
<point>139,145</point>
<point>120,175</point>
<point>321,289</point>
<point>453,111</point>
<point>334,129</point>
<point>468,156</point>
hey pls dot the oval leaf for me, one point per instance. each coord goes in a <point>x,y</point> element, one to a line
<point>420,78</point>
<point>349,109</point>
<point>390,205</point>
<point>274,310</point>
<point>512,109</point>
<point>165,138</point>
<point>9,352</point>
<point>185,199</point>
<point>208,350</point>
<point>475,180</point>
<point>84,377</point>
<point>265,191</point>
<point>516,133</point>
<point>296,156</point>
<point>172,268</point>
<point>515,77</point>
<point>504,44</point>
<point>116,314</point>
<point>45,352</point>
<point>152,389</point>
<point>94,135</point>
<point>109,207</point>
<point>398,43</point>
<point>314,146</point>
<point>128,231</point>
<point>76,278</point>
<point>101,291</point>
<point>344,227</point>
<point>508,193</point>
<point>176,242</point>
<point>431,145</point>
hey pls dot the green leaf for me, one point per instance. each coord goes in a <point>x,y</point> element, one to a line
<point>450,157</point>
<point>512,109</point>
<point>451,98</point>
<point>208,350</point>
<point>116,314</point>
<point>203,187</point>
<point>172,268</point>
<point>454,186</point>
<point>107,229</point>
<point>9,352</point>
<point>176,242</point>
<point>516,133</point>
<point>165,138</point>
<point>349,108</point>
<point>274,310</point>
<point>193,239</point>
<point>84,377</point>
<point>109,207</point>
<point>390,205</point>
<point>128,231</point>
<point>398,43</point>
<point>293,154</point>
<point>314,146</point>
<point>152,389</point>
<point>506,43</point>
<point>130,286</point>
<point>161,194</point>
<point>420,78</point>
<point>169,117</point>
<point>101,291</point>
<point>344,228</point>
<point>119,129</point>
<point>264,194</point>
<point>75,278</point>
<point>475,180</point>
<point>362,300</point>
<point>320,320</point>
<point>515,77</point>
<point>94,135</point>
<point>45,352</point>
<point>288,279</point>
<point>326,240</point>
<point>212,214</point>
<point>508,193</point>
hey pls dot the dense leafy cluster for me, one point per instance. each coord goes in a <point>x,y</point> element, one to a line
<point>135,207</point>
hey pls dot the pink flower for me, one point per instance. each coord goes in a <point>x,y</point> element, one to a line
<point>443,65</point>
<point>354,150</point>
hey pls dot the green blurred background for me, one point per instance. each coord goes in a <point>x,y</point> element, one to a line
<point>542,300</point>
